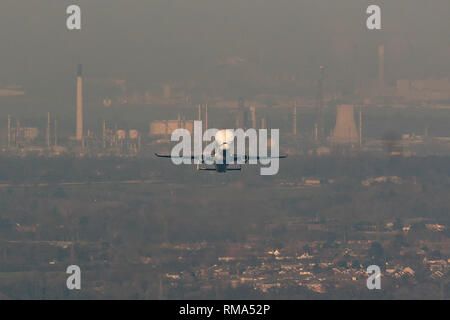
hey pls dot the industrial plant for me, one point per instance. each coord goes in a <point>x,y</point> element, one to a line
<point>89,173</point>
<point>323,125</point>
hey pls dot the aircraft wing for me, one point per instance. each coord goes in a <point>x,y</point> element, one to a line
<point>200,158</point>
<point>281,156</point>
<point>168,156</point>
<point>243,159</point>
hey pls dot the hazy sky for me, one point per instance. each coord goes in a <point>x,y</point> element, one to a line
<point>166,40</point>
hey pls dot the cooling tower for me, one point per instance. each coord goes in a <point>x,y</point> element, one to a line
<point>79,135</point>
<point>345,130</point>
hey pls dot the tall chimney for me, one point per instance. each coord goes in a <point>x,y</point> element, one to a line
<point>56,131</point>
<point>79,135</point>
<point>320,120</point>
<point>381,67</point>
<point>48,129</point>
<point>294,124</point>
<point>253,116</point>
<point>9,131</point>
<point>206,117</point>
<point>104,134</point>
<point>360,127</point>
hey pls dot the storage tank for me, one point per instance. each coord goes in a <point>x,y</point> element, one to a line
<point>121,134</point>
<point>133,134</point>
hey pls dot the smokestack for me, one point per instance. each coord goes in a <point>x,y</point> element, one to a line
<point>345,130</point>
<point>56,132</point>
<point>206,117</point>
<point>9,131</point>
<point>294,119</point>
<point>15,131</point>
<point>320,120</point>
<point>381,67</point>
<point>48,129</point>
<point>104,134</point>
<point>253,115</point>
<point>360,127</point>
<point>199,112</point>
<point>79,133</point>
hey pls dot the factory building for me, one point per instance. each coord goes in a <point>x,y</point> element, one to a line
<point>166,127</point>
<point>121,141</point>
<point>425,90</point>
<point>18,134</point>
<point>11,92</point>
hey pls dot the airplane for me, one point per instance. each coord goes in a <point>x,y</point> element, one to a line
<point>222,159</point>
